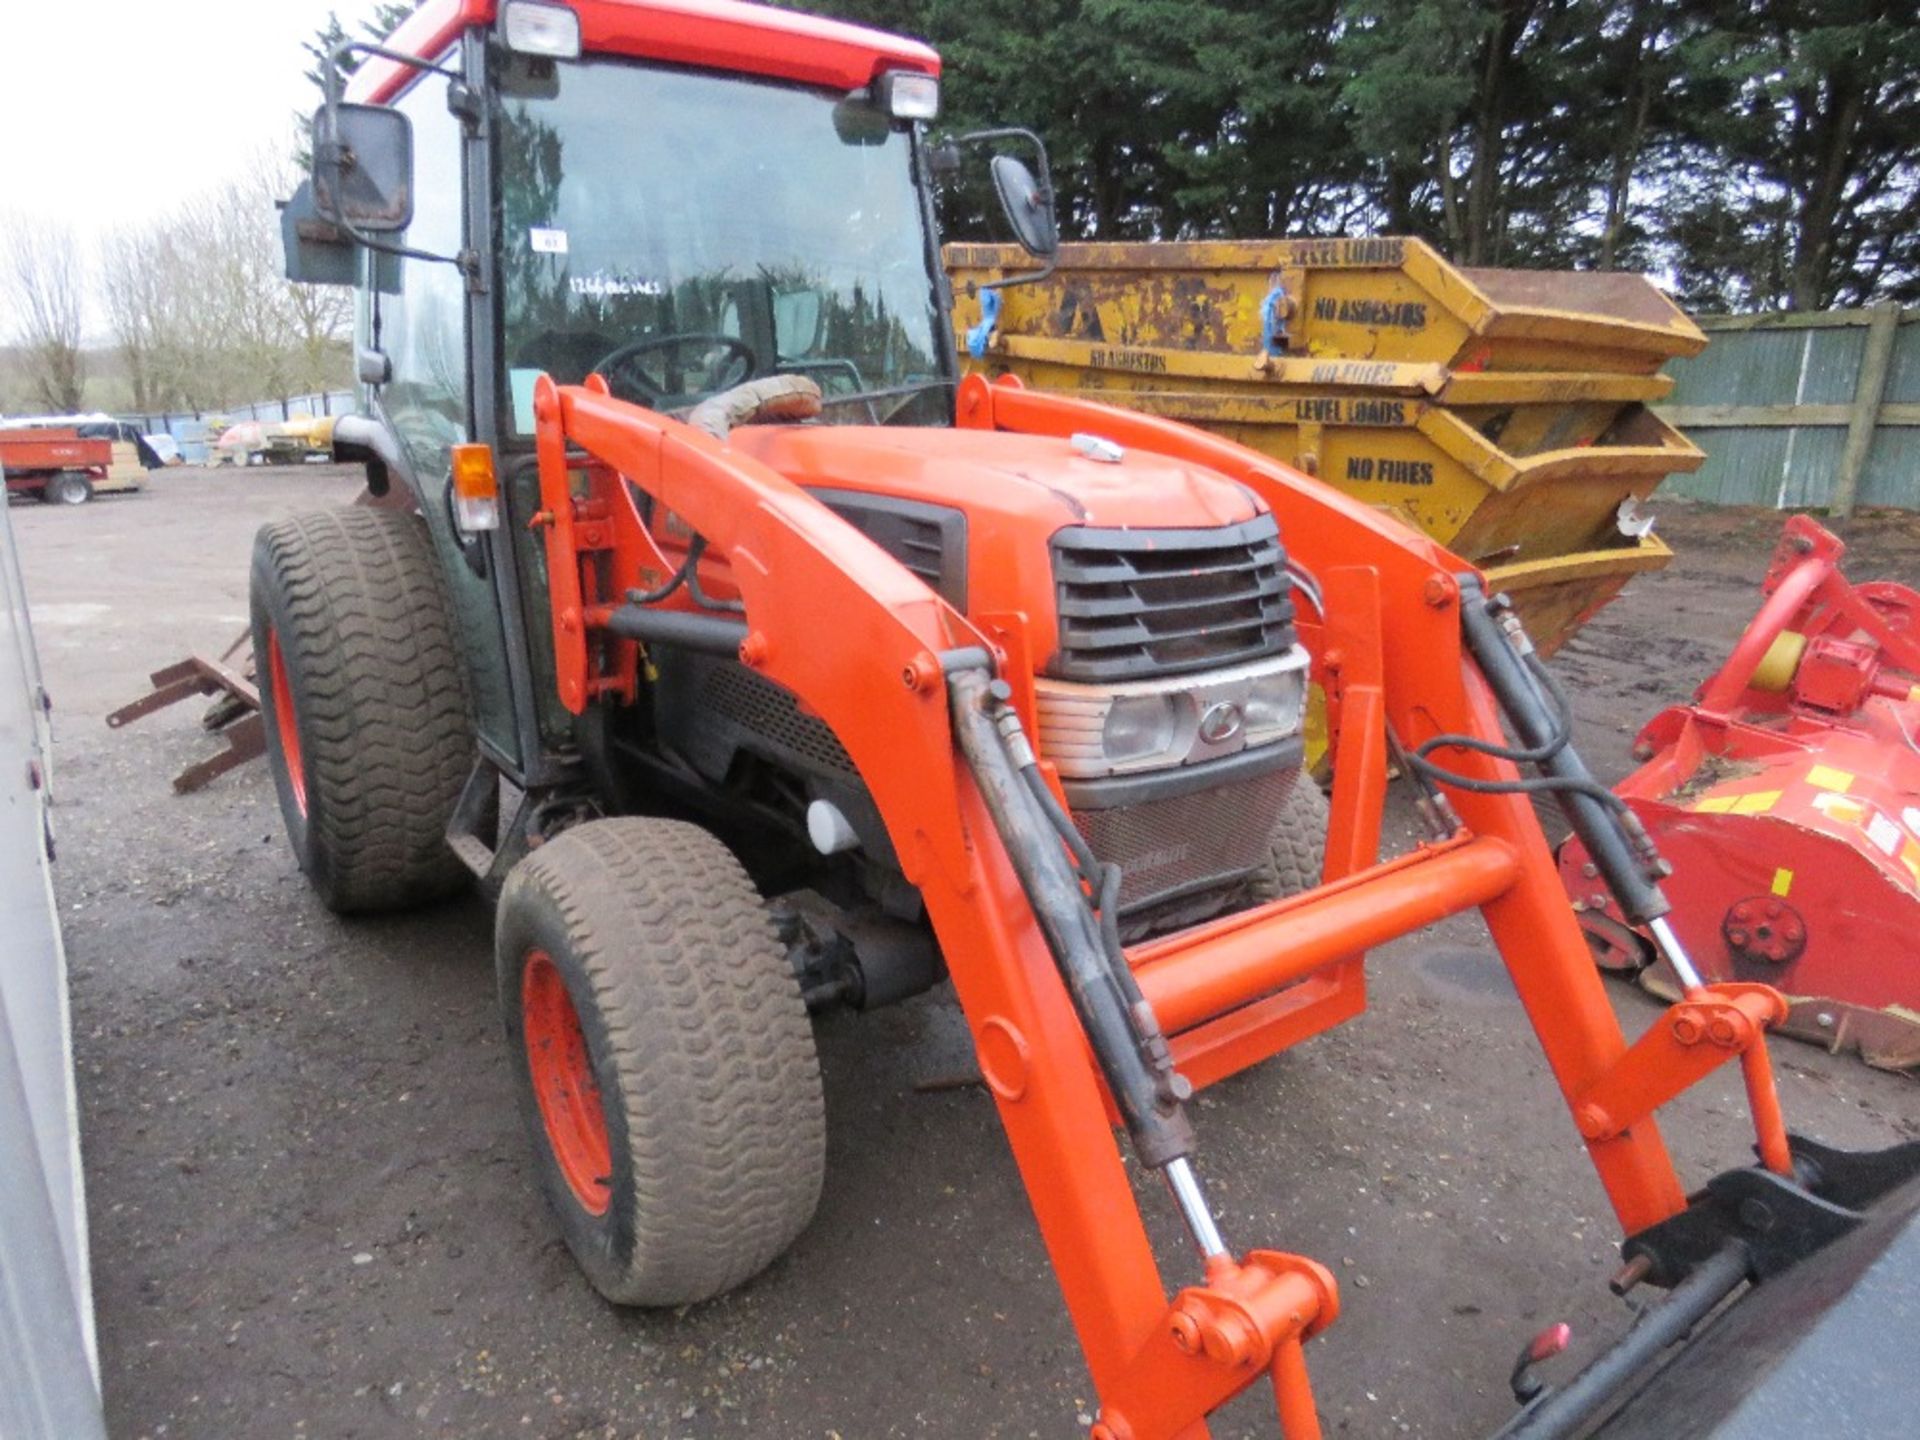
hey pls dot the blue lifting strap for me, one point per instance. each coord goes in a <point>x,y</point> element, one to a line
<point>1273,319</point>
<point>978,336</point>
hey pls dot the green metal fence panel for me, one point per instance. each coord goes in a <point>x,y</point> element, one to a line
<point>1903,380</point>
<point>1892,476</point>
<point>1770,401</point>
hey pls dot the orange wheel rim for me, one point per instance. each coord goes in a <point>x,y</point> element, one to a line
<point>563,1085</point>
<point>285,724</point>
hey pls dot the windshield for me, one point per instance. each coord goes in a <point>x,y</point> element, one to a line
<point>680,232</point>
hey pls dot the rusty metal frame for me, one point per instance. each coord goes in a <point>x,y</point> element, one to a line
<point>244,733</point>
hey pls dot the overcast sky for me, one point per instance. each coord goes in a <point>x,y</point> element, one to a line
<point>115,109</point>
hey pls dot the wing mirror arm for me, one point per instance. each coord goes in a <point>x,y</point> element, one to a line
<point>332,154</point>
<point>1028,202</point>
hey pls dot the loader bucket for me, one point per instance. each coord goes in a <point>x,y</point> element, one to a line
<point>1794,1316</point>
<point>1785,799</point>
<point>1824,1348</point>
<point>1503,413</point>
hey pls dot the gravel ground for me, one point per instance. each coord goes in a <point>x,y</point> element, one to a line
<point>313,1214</point>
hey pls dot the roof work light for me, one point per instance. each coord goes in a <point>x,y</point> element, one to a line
<point>531,28</point>
<point>908,94</point>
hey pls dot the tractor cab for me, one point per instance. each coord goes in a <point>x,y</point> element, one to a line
<point>677,198</point>
<point>716,213</point>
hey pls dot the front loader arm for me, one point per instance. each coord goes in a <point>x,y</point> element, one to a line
<point>859,640</point>
<point>1432,686</point>
<point>907,686</point>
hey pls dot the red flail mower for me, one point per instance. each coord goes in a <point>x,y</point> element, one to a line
<point>1786,797</point>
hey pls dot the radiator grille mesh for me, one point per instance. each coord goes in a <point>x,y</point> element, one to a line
<point>1187,844</point>
<point>770,711</point>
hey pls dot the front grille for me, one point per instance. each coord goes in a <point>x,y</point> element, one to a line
<point>1137,603</point>
<point>1200,842</point>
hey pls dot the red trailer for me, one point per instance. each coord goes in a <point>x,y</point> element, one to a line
<point>57,465</point>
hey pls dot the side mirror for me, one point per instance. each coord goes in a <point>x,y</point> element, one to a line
<point>1028,205</point>
<point>363,167</point>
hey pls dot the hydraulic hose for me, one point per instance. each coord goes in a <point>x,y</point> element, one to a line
<point>1147,1102</point>
<point>1624,858</point>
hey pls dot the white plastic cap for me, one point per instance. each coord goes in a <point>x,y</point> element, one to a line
<point>829,830</point>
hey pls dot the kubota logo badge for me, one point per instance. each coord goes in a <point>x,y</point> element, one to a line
<point>1220,723</point>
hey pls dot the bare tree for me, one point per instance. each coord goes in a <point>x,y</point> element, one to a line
<point>134,295</point>
<point>201,312</point>
<point>45,281</point>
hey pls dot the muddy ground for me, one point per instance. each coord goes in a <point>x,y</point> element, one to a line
<point>313,1213</point>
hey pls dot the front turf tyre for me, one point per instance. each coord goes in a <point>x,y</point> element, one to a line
<point>364,702</point>
<point>666,1063</point>
<point>1297,846</point>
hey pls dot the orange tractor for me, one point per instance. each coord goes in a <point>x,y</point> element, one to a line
<point>758,663</point>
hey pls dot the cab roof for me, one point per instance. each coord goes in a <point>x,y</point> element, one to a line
<point>715,34</point>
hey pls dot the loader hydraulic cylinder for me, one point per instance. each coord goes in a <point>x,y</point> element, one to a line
<point>1594,820</point>
<point>709,634</point>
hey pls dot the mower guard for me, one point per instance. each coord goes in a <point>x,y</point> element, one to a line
<point>1785,798</point>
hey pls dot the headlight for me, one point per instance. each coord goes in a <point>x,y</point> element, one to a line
<point>1275,702</point>
<point>1138,726</point>
<point>1089,732</point>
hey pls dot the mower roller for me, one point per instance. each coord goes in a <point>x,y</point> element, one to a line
<point>1787,799</point>
<point>755,661</point>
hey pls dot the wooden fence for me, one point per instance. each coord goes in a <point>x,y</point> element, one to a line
<point>1803,410</point>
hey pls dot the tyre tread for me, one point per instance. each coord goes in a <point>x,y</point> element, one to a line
<point>385,736</point>
<point>1297,848</point>
<point>711,1049</point>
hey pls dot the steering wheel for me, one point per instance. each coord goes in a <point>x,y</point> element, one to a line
<point>629,381</point>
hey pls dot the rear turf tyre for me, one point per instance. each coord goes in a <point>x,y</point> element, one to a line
<point>68,488</point>
<point>666,1063</point>
<point>1297,849</point>
<point>364,702</point>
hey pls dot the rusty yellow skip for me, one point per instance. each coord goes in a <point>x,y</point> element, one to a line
<point>1502,412</point>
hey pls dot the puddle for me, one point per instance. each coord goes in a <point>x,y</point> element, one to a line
<point>1465,973</point>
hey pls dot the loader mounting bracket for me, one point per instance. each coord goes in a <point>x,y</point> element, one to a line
<point>1780,1220</point>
